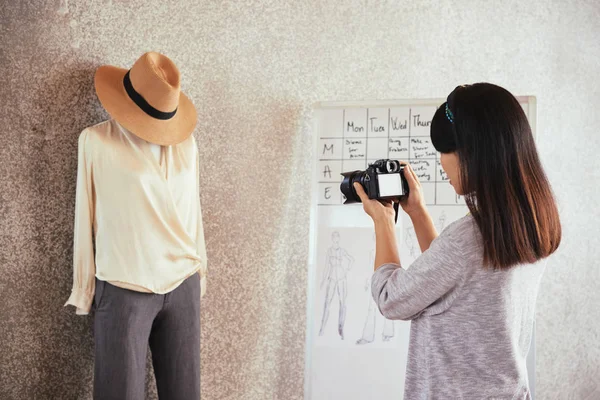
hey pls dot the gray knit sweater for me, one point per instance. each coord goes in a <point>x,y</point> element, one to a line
<point>471,327</point>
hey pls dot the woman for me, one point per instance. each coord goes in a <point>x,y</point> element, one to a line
<point>471,294</point>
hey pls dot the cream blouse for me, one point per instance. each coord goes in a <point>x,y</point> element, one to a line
<point>142,213</point>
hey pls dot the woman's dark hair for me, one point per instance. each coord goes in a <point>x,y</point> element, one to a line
<point>501,176</point>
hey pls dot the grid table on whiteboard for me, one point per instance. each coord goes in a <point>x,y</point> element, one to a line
<point>352,138</point>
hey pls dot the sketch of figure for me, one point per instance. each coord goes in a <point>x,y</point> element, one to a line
<point>441,222</point>
<point>335,274</point>
<point>368,334</point>
<point>410,239</point>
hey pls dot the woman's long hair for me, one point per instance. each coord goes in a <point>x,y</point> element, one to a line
<point>501,176</point>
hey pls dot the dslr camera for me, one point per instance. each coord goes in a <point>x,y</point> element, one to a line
<point>382,180</point>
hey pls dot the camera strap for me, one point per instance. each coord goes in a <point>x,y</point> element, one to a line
<point>396,207</point>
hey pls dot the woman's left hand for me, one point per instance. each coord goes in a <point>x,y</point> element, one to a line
<point>377,210</point>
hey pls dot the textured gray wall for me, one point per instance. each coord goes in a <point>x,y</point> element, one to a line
<point>253,69</point>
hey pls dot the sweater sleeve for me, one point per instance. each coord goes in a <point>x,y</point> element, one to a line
<point>200,242</point>
<point>428,286</point>
<point>84,268</point>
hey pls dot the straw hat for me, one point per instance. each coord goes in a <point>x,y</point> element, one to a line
<point>147,99</point>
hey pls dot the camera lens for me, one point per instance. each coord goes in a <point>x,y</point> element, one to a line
<point>347,185</point>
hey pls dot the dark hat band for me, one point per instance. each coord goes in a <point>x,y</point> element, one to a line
<point>142,103</point>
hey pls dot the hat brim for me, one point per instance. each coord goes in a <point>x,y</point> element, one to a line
<point>108,82</point>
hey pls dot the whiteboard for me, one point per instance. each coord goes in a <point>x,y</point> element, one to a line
<point>352,351</point>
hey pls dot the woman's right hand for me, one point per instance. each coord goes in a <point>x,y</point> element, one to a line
<point>415,202</point>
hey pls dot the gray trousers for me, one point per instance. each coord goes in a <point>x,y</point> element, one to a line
<point>126,321</point>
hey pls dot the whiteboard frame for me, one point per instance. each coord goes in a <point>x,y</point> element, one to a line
<point>312,252</point>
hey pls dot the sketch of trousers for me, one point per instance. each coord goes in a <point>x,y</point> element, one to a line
<point>336,276</point>
<point>340,287</point>
<point>368,334</point>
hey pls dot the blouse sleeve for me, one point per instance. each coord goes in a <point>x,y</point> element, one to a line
<point>200,243</point>
<point>84,268</point>
<point>428,286</point>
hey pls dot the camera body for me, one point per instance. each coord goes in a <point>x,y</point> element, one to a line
<point>382,180</point>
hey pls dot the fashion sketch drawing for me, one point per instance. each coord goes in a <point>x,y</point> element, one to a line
<point>368,334</point>
<point>411,238</point>
<point>337,264</point>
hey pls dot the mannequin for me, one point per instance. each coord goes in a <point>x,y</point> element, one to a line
<point>139,255</point>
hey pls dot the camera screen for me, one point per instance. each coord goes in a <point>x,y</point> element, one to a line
<point>390,185</point>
